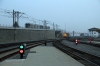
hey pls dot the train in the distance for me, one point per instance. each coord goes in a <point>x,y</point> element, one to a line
<point>65,35</point>
<point>36,26</point>
<point>73,38</point>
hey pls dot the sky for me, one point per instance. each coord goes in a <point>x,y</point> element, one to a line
<point>78,15</point>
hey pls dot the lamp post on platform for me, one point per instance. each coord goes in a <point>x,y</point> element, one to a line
<point>45,27</point>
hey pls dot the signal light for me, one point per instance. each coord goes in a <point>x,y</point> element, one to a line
<point>76,41</point>
<point>21,51</point>
<point>21,46</point>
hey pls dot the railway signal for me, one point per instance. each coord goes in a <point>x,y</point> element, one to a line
<point>90,40</point>
<point>21,51</point>
<point>76,41</point>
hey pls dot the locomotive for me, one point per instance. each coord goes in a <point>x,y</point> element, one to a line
<point>65,35</point>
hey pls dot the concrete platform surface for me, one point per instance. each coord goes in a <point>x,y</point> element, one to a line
<point>49,56</point>
<point>43,56</point>
<point>12,62</point>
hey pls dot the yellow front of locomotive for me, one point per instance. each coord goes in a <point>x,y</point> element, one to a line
<point>65,35</point>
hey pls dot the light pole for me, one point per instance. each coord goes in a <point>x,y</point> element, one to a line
<point>53,26</point>
<point>56,27</point>
<point>65,27</point>
<point>45,27</point>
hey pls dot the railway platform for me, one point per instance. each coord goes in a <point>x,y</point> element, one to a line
<point>43,56</point>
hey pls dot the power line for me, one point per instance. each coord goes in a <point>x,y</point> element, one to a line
<point>16,15</point>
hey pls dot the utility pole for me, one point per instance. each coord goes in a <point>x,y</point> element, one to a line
<point>15,15</point>
<point>56,27</point>
<point>65,27</point>
<point>53,26</point>
<point>45,27</point>
<point>14,23</point>
<point>13,18</point>
<point>73,33</point>
<point>45,24</point>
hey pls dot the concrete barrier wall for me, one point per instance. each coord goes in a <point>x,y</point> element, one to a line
<point>23,34</point>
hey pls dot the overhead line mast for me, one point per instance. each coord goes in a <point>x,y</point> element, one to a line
<point>15,15</point>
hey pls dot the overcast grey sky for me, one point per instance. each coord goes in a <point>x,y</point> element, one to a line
<point>79,15</point>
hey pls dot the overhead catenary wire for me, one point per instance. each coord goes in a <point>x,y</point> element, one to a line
<point>25,16</point>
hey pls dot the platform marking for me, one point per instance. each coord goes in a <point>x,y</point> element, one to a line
<point>15,60</point>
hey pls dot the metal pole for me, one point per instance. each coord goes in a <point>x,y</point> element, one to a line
<point>45,24</point>
<point>13,18</point>
<point>65,27</point>
<point>18,19</point>
<point>53,26</point>
<point>56,26</point>
<point>44,29</point>
<point>73,33</point>
<point>14,26</point>
<point>14,23</point>
<point>46,32</point>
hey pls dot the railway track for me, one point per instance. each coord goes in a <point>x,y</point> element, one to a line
<point>15,50</point>
<point>85,58</point>
<point>92,43</point>
<point>9,50</point>
<point>95,44</point>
